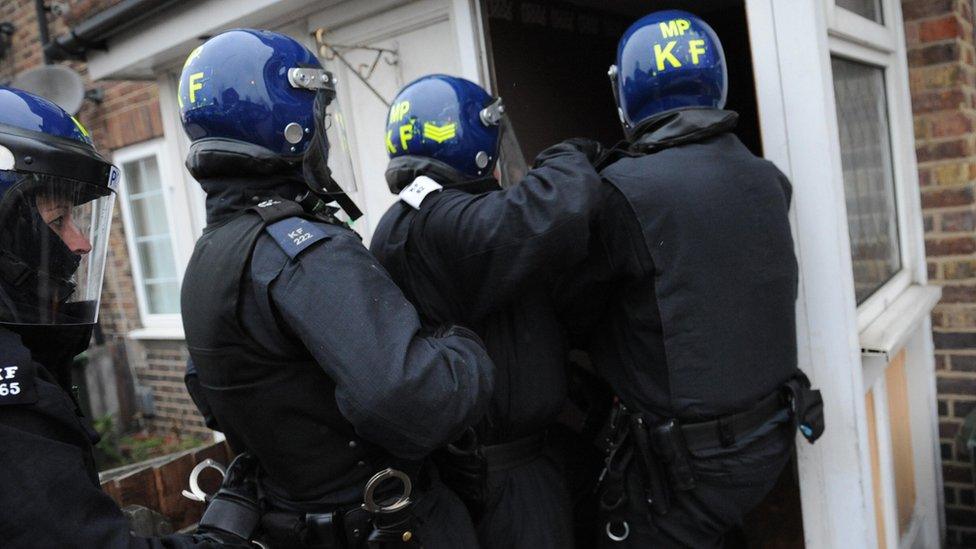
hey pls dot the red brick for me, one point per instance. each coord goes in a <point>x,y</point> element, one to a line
<point>954,222</point>
<point>958,294</point>
<point>960,517</point>
<point>963,363</point>
<point>952,125</point>
<point>950,246</point>
<point>962,408</point>
<point>938,100</point>
<point>956,148</point>
<point>920,9</point>
<point>948,429</point>
<point>942,28</point>
<point>942,198</point>
<point>956,385</point>
<point>955,340</point>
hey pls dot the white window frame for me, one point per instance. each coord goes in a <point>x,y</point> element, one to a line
<point>154,325</point>
<point>858,39</point>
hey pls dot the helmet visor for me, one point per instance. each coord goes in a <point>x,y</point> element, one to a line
<point>53,241</point>
<point>511,166</point>
<point>340,154</point>
<point>328,161</point>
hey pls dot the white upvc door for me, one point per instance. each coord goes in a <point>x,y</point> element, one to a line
<point>862,340</point>
<point>427,36</point>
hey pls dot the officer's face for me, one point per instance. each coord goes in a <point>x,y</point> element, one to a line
<point>57,214</point>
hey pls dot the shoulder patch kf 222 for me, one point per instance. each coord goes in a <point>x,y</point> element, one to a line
<point>17,384</point>
<point>295,234</point>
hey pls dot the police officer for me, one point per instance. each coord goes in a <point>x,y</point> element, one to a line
<point>686,303</point>
<point>56,197</point>
<point>309,358</point>
<point>465,250</point>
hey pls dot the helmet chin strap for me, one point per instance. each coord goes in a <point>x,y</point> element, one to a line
<point>315,167</point>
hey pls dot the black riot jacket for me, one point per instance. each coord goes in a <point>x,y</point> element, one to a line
<point>307,353</point>
<point>686,303</point>
<point>487,260</point>
<point>51,496</point>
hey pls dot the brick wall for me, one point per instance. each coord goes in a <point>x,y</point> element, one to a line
<point>128,114</point>
<point>942,63</point>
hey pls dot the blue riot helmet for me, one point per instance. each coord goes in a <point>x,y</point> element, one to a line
<point>667,60</point>
<point>256,102</point>
<point>56,199</point>
<point>450,126</point>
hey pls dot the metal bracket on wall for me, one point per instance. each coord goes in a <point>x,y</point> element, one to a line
<point>6,37</point>
<point>331,52</point>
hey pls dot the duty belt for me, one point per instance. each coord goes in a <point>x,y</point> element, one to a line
<point>661,450</point>
<point>508,455</point>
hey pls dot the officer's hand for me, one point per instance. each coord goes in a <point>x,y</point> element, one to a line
<point>593,150</point>
<point>233,513</point>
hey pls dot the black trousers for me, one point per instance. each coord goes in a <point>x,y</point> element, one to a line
<point>528,507</point>
<point>729,483</point>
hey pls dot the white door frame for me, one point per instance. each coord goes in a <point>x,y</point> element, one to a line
<point>791,50</point>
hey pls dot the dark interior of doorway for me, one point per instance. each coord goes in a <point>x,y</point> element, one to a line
<point>549,61</point>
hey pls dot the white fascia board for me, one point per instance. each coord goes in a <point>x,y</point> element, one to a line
<point>161,41</point>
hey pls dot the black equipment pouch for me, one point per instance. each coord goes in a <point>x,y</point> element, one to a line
<point>394,529</point>
<point>806,407</point>
<point>234,508</point>
<point>669,446</point>
<point>393,519</point>
<point>654,481</point>
<point>463,468</point>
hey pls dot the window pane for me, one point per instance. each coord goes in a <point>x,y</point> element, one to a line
<point>149,215</point>
<point>142,175</point>
<point>869,187</point>
<point>865,8</point>
<point>163,298</point>
<point>156,258</point>
<point>151,233</point>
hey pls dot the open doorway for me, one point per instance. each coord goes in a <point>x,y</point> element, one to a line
<point>549,61</point>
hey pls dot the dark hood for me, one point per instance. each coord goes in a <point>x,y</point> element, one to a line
<point>227,196</point>
<point>677,127</point>
<point>402,170</point>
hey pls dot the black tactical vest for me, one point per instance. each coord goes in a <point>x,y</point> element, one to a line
<point>279,406</point>
<point>714,220</point>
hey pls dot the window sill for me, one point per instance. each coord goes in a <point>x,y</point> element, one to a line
<point>886,334</point>
<point>159,333</point>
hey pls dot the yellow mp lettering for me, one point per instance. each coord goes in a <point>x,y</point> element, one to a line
<point>195,86</point>
<point>81,128</point>
<point>665,55</point>
<point>406,134</point>
<point>389,142</point>
<point>674,27</point>
<point>193,55</point>
<point>696,48</point>
<point>398,111</point>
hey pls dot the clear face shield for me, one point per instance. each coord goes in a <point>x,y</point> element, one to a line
<point>327,166</point>
<point>510,168</point>
<point>53,240</point>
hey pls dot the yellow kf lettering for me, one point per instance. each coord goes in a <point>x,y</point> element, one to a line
<point>196,86</point>
<point>696,48</point>
<point>674,27</point>
<point>665,55</point>
<point>389,142</point>
<point>406,134</point>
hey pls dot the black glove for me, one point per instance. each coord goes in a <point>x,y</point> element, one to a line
<point>232,515</point>
<point>593,150</point>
